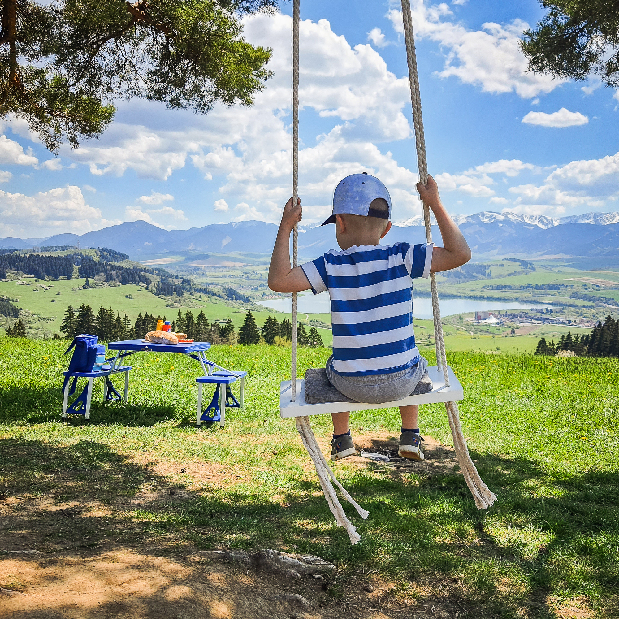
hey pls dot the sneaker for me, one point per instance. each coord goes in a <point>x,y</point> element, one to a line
<point>410,446</point>
<point>342,447</point>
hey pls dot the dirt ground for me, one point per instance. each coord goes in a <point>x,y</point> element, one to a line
<point>138,581</point>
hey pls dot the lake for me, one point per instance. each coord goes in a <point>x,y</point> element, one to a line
<point>422,307</point>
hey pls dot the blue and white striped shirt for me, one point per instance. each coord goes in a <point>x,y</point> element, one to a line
<point>371,304</point>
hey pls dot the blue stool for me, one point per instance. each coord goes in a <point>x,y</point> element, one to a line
<point>216,410</point>
<point>81,404</point>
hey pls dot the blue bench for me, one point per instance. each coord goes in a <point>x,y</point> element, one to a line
<point>81,404</point>
<point>222,398</point>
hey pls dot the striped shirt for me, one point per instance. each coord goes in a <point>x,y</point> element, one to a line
<point>371,304</point>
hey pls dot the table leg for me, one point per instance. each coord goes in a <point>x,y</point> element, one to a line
<point>65,400</point>
<point>222,404</point>
<point>199,404</point>
<point>104,389</point>
<point>88,398</point>
<point>126,394</point>
<point>242,393</point>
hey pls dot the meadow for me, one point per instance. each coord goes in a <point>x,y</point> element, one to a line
<point>542,431</point>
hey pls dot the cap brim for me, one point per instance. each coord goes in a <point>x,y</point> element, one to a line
<point>331,220</point>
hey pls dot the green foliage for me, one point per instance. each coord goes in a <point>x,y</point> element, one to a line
<point>8,309</point>
<point>603,341</point>
<point>249,333</point>
<point>270,330</point>
<point>62,64</point>
<point>17,329</point>
<point>576,38</point>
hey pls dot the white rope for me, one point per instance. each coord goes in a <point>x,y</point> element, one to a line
<point>482,495</point>
<point>296,20</point>
<point>323,470</point>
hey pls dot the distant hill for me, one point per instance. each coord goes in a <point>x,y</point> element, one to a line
<point>490,235</point>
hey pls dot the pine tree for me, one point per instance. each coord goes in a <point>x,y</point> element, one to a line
<point>226,333</point>
<point>248,333</point>
<point>202,329</point>
<point>270,330</point>
<point>85,320</point>
<point>542,347</point>
<point>302,336</point>
<point>285,329</point>
<point>190,325</point>
<point>17,330</point>
<point>315,340</point>
<point>104,324</point>
<point>69,323</point>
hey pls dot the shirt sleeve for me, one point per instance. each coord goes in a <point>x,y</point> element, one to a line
<point>316,274</point>
<point>419,260</point>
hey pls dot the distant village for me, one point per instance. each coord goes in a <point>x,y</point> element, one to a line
<point>533,316</point>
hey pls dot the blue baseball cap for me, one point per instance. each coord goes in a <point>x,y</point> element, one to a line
<point>355,193</point>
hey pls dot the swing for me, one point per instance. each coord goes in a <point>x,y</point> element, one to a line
<point>445,386</point>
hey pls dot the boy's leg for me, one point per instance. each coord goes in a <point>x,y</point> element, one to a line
<point>410,441</point>
<point>410,417</point>
<point>341,444</point>
<point>340,423</point>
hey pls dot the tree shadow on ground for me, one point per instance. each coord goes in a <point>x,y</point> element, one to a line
<point>85,501</point>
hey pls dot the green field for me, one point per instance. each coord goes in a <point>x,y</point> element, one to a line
<point>45,308</point>
<point>543,432</point>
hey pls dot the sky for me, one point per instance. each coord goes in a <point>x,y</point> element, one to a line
<point>498,137</point>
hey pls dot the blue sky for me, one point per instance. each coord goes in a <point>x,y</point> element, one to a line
<point>498,138</point>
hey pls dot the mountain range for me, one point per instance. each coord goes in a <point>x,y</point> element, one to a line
<point>489,234</point>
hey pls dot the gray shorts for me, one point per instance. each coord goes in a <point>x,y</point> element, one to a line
<point>378,388</point>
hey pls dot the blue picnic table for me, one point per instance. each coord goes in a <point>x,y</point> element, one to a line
<point>221,377</point>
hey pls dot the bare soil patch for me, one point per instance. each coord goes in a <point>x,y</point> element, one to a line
<point>53,565</point>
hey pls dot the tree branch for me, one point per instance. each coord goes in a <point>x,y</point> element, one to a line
<point>139,12</point>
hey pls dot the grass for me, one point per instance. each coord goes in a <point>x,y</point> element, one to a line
<point>543,432</point>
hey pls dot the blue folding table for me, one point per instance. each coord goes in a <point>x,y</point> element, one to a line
<point>213,373</point>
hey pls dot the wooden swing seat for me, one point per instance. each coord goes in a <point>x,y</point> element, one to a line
<point>300,408</point>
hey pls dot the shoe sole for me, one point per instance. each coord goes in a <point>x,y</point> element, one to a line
<point>344,454</point>
<point>411,455</point>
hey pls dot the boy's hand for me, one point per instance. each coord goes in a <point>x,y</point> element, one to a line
<point>292,215</point>
<point>429,192</point>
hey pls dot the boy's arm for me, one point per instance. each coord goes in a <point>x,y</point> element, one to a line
<point>455,251</point>
<point>283,278</point>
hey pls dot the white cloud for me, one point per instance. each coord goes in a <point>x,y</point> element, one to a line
<point>53,164</point>
<point>377,38</point>
<point>509,167</point>
<point>5,176</point>
<point>561,119</point>
<point>47,213</point>
<point>89,188</point>
<point>13,153</point>
<point>616,95</point>
<point>220,205</point>
<point>156,198</point>
<point>592,184</point>
<point>459,2</point>
<point>476,181</point>
<point>490,58</point>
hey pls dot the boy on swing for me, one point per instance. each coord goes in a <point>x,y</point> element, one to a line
<point>374,358</point>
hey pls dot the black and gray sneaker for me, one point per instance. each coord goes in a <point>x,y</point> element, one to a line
<point>410,446</point>
<point>342,447</point>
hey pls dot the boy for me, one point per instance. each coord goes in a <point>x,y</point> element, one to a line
<point>374,358</point>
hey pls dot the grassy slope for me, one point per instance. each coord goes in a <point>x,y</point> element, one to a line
<point>49,307</point>
<point>543,432</point>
